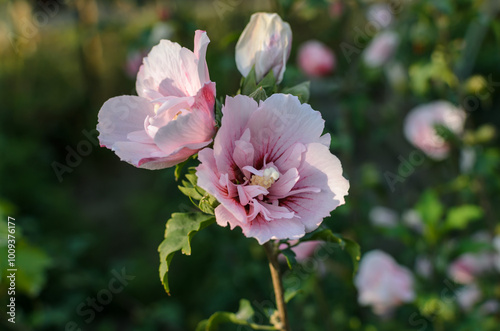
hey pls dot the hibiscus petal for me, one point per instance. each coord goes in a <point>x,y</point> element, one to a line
<point>121,116</point>
<point>284,184</point>
<point>201,42</point>
<point>236,113</point>
<point>172,70</point>
<point>282,121</point>
<point>264,231</point>
<point>193,130</point>
<point>321,170</point>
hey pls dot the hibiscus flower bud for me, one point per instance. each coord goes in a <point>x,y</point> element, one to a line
<point>382,283</point>
<point>265,43</point>
<point>316,59</point>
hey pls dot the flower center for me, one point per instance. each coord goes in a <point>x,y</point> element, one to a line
<point>270,176</point>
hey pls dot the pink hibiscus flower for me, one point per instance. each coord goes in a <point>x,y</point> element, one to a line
<point>271,169</point>
<point>173,116</point>
<point>382,283</point>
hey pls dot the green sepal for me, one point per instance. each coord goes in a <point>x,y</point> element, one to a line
<point>259,94</point>
<point>179,232</point>
<point>249,84</point>
<point>302,91</point>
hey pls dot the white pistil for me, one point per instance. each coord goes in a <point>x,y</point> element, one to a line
<point>270,175</point>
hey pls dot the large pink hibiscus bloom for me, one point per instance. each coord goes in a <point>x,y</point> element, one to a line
<point>173,116</point>
<point>271,169</point>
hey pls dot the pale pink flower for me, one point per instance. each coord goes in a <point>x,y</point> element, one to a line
<point>468,296</point>
<point>381,49</point>
<point>382,283</point>
<point>265,43</point>
<point>468,266</point>
<point>303,251</point>
<point>173,116</point>
<point>271,169</point>
<point>316,59</point>
<point>420,127</point>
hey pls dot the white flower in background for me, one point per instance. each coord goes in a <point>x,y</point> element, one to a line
<point>381,49</point>
<point>382,283</point>
<point>420,127</point>
<point>468,296</point>
<point>381,14</point>
<point>411,218</point>
<point>265,43</point>
<point>383,217</point>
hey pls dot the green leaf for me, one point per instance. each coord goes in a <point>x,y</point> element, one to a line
<point>302,91</point>
<point>242,317</point>
<point>289,255</point>
<point>179,231</point>
<point>430,208</point>
<point>249,84</point>
<point>350,246</point>
<point>259,94</point>
<point>191,192</point>
<point>459,217</point>
<point>290,294</point>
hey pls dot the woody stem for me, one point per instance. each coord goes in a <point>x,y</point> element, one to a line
<point>272,255</point>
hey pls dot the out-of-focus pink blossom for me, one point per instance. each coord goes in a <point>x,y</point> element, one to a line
<point>303,251</point>
<point>336,9</point>
<point>468,266</point>
<point>420,127</point>
<point>265,43</point>
<point>381,49</point>
<point>316,59</point>
<point>468,296</point>
<point>271,168</point>
<point>382,283</point>
<point>173,116</point>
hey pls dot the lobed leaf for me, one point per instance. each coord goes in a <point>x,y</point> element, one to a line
<point>179,231</point>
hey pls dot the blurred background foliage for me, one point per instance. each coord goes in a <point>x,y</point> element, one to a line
<point>59,61</point>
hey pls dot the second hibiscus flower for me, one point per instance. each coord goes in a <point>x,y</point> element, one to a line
<point>271,169</point>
